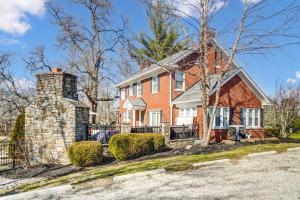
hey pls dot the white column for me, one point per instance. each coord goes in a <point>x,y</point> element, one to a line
<point>133,117</point>
<point>140,117</point>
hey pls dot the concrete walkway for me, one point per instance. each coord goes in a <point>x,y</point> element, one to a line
<point>275,176</point>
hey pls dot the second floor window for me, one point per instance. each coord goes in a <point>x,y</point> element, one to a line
<point>123,94</point>
<point>155,84</point>
<point>131,90</point>
<point>179,80</point>
<point>139,89</point>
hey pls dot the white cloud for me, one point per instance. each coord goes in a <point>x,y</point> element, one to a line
<point>298,74</point>
<point>14,14</point>
<point>251,1</point>
<point>6,41</point>
<point>188,8</point>
<point>291,80</point>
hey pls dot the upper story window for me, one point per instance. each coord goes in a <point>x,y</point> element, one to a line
<point>250,118</point>
<point>131,92</point>
<point>123,94</point>
<point>221,119</point>
<point>155,84</point>
<point>179,80</point>
<point>139,89</point>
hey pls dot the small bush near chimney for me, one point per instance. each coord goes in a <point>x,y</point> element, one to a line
<point>86,153</point>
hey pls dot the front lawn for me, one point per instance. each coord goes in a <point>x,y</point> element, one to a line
<point>295,136</point>
<point>174,163</point>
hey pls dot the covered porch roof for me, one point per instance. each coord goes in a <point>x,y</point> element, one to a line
<point>135,104</point>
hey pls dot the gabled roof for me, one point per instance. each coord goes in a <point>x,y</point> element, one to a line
<point>194,94</point>
<point>169,62</point>
<point>155,68</point>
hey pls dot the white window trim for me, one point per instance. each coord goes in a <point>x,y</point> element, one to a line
<point>126,116</point>
<point>183,84</point>
<point>131,90</point>
<point>139,83</point>
<point>123,94</point>
<point>152,84</point>
<point>252,126</point>
<point>221,120</point>
<point>150,115</point>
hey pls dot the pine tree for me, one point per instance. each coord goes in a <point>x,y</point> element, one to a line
<point>166,39</point>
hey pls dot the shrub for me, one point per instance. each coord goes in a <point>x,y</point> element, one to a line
<point>85,153</point>
<point>17,137</point>
<point>128,146</point>
<point>271,132</point>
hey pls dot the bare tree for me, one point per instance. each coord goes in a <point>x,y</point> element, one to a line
<point>88,41</point>
<point>15,93</point>
<point>258,30</point>
<point>37,61</point>
<point>286,105</point>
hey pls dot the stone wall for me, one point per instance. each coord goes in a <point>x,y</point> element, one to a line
<point>55,118</point>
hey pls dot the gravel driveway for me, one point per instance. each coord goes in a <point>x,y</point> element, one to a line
<point>265,177</point>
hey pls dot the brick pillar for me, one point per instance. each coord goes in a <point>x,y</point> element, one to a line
<point>125,128</point>
<point>165,131</point>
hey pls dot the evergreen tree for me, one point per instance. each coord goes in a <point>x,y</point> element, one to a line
<point>166,39</point>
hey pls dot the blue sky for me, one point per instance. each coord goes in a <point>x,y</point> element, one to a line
<point>266,72</point>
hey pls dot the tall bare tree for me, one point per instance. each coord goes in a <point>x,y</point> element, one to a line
<point>286,106</point>
<point>258,30</point>
<point>88,40</point>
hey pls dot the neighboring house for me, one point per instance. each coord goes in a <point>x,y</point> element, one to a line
<point>172,94</point>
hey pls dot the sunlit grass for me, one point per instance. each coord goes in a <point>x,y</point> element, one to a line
<point>295,136</point>
<point>174,163</point>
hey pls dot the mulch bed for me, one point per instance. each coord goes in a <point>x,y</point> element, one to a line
<point>46,171</point>
<point>214,148</point>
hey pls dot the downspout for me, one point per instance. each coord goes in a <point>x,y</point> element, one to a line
<point>170,96</point>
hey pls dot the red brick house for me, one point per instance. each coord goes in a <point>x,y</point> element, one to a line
<point>158,94</point>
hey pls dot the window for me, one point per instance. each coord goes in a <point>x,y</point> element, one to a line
<point>187,112</point>
<point>155,84</point>
<point>221,117</point>
<point>139,89</point>
<point>250,118</point>
<point>154,118</point>
<point>131,90</point>
<point>123,95</point>
<point>126,116</point>
<point>179,80</point>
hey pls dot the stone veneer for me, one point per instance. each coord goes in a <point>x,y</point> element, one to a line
<point>55,119</point>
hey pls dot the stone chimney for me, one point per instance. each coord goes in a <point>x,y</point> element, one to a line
<point>55,119</point>
<point>57,84</point>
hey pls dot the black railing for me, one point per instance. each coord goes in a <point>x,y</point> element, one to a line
<point>182,132</point>
<point>146,129</point>
<point>102,132</point>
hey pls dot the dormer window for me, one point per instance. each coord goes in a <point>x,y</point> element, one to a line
<point>179,80</point>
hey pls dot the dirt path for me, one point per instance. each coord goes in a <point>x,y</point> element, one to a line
<point>265,177</point>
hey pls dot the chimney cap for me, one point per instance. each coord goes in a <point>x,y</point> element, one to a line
<point>56,70</point>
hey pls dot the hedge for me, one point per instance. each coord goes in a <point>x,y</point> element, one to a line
<point>271,132</point>
<point>129,146</point>
<point>86,153</point>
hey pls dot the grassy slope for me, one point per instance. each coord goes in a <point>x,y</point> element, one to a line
<point>295,136</point>
<point>175,163</point>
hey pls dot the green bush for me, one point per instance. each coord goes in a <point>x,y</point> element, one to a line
<point>128,146</point>
<point>86,153</point>
<point>271,132</point>
<point>17,137</point>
